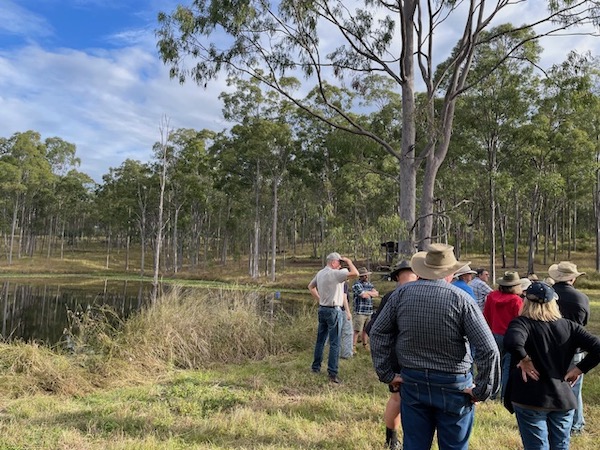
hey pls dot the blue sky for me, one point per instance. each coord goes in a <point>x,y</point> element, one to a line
<point>88,72</point>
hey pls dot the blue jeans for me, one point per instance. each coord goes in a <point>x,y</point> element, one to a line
<point>434,400</point>
<point>578,419</point>
<point>347,337</point>
<point>505,362</point>
<point>544,430</point>
<point>330,325</point>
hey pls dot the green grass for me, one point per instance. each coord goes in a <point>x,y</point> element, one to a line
<point>208,372</point>
<point>275,403</point>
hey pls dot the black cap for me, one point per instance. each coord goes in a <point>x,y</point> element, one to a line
<point>540,292</point>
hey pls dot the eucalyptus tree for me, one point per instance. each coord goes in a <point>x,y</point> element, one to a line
<point>264,137</point>
<point>26,174</point>
<point>125,199</point>
<point>493,109</point>
<point>551,155</point>
<point>568,107</point>
<point>270,40</point>
<point>74,197</point>
<point>192,198</point>
<point>64,165</point>
<point>163,153</point>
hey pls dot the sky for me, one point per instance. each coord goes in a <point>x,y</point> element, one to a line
<point>88,72</point>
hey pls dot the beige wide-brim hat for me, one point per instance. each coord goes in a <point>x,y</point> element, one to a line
<point>564,271</point>
<point>464,271</point>
<point>510,279</point>
<point>436,263</point>
<point>525,283</point>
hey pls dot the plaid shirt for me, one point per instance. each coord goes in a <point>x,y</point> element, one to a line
<point>362,306</point>
<point>430,323</point>
<point>481,289</point>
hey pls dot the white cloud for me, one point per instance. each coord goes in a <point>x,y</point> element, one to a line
<point>109,104</point>
<point>16,20</point>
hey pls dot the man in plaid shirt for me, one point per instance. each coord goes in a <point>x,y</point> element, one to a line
<point>364,292</point>
<point>429,324</point>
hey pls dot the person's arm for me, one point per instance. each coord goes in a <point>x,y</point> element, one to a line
<point>487,356</point>
<point>347,306</point>
<point>514,343</point>
<point>352,270</point>
<point>312,287</point>
<point>373,292</point>
<point>589,343</point>
<point>383,334</point>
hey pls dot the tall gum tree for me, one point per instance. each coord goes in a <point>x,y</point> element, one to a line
<point>269,40</point>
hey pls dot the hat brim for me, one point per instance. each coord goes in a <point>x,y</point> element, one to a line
<point>509,283</point>
<point>468,272</point>
<point>557,275</point>
<point>418,266</point>
<point>394,273</point>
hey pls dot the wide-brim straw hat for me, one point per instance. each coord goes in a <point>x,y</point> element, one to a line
<point>464,271</point>
<point>436,263</point>
<point>525,283</point>
<point>510,279</point>
<point>564,271</point>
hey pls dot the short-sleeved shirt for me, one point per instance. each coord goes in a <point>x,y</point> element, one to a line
<point>330,284</point>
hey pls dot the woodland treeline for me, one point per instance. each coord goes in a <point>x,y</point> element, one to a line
<point>521,176</point>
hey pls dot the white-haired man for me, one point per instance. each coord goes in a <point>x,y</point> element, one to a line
<point>328,288</point>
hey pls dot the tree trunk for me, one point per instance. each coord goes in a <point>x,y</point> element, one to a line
<point>255,250</point>
<point>274,227</point>
<point>492,169</point>
<point>13,230</point>
<point>164,134</point>
<point>62,240</point>
<point>408,169</point>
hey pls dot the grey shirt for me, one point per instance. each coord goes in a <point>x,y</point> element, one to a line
<point>330,284</point>
<point>430,323</point>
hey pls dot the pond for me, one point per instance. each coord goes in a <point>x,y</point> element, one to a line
<point>40,309</point>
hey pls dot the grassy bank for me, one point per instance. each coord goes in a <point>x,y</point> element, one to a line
<point>210,372</point>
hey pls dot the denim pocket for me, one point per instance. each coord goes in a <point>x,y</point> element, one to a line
<point>409,392</point>
<point>456,402</point>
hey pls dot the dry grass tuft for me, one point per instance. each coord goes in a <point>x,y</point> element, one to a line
<point>184,329</point>
<point>31,368</point>
<point>191,330</point>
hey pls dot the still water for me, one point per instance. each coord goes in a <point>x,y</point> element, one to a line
<point>40,310</point>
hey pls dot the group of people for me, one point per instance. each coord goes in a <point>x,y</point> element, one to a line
<point>444,340</point>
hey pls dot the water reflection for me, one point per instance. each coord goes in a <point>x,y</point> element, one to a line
<point>39,311</point>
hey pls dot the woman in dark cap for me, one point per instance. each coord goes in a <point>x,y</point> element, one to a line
<point>542,344</point>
